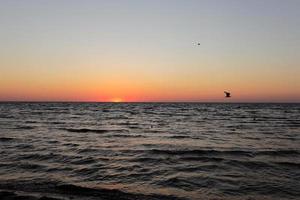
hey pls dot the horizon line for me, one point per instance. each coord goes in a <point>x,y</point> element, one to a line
<point>70,101</point>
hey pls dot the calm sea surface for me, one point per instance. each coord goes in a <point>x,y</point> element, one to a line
<point>190,150</point>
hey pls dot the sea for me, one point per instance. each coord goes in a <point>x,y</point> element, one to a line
<point>189,151</point>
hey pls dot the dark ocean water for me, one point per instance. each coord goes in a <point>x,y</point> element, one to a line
<point>189,150</point>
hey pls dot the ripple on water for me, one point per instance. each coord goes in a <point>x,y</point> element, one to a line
<point>187,150</point>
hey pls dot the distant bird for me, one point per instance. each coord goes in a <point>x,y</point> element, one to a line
<point>227,94</point>
<point>198,44</point>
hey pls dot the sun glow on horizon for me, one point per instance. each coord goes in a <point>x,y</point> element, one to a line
<point>116,100</point>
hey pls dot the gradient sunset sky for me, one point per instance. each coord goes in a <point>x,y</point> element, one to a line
<point>139,50</point>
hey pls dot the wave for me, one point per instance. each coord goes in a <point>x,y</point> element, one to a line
<point>24,127</point>
<point>55,122</point>
<point>252,165</point>
<point>278,152</point>
<point>7,116</point>
<point>111,194</point>
<point>82,161</point>
<point>147,160</point>
<point>289,164</point>
<point>203,158</point>
<point>128,124</point>
<point>70,191</point>
<point>24,146</point>
<point>31,166</point>
<point>85,130</point>
<point>226,152</point>
<point>87,150</point>
<point>181,183</point>
<point>6,139</point>
<point>274,191</point>
<point>53,157</point>
<point>126,136</point>
<point>178,136</point>
<point>202,152</point>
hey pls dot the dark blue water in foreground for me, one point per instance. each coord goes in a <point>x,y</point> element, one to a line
<point>196,151</point>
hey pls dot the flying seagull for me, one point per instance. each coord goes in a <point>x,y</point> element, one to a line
<point>227,94</point>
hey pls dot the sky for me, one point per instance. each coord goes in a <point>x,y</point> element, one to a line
<point>127,50</point>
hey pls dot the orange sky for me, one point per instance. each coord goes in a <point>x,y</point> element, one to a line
<point>147,51</point>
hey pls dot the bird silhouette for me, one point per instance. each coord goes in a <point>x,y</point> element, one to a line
<point>227,94</point>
